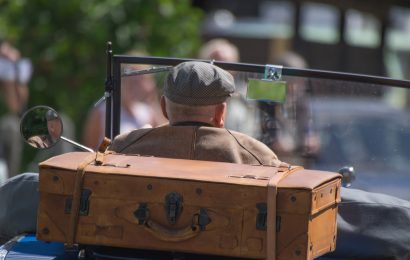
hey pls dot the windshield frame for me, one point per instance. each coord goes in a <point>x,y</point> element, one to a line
<point>113,80</point>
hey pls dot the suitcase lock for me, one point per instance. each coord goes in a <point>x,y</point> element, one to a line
<point>173,206</point>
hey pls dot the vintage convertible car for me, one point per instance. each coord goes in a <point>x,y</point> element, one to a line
<point>318,119</point>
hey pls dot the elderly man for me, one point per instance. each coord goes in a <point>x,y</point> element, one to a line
<point>194,102</point>
<point>54,130</point>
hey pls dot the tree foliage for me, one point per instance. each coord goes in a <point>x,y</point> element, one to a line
<point>66,41</point>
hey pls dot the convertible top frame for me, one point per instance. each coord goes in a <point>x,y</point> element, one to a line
<point>112,92</point>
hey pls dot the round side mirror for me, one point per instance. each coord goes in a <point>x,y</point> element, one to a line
<point>41,127</point>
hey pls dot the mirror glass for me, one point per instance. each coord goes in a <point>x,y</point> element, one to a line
<point>41,127</point>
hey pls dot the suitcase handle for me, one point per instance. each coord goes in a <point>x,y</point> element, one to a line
<point>199,221</point>
<point>171,235</point>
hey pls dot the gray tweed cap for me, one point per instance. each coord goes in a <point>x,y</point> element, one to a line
<point>198,84</point>
<point>50,115</point>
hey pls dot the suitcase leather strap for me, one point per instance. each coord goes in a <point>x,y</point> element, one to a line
<point>271,210</point>
<point>75,207</point>
<point>104,145</point>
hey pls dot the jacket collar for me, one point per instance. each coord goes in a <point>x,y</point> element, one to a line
<point>191,123</point>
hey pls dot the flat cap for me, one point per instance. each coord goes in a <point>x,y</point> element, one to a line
<point>51,114</point>
<point>198,84</point>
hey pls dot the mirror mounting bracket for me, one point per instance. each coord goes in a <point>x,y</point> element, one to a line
<point>273,72</point>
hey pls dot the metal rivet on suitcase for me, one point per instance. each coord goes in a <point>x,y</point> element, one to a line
<point>45,231</point>
<point>149,186</point>
<point>293,198</point>
<point>198,191</point>
<point>56,178</point>
<point>298,252</point>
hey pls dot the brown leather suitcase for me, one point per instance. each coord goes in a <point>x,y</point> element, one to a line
<point>188,206</point>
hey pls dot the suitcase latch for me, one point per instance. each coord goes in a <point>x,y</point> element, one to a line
<point>141,213</point>
<point>261,218</point>
<point>203,219</point>
<point>173,206</point>
<point>84,203</point>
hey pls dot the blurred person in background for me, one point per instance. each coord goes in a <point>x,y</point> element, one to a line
<point>219,50</point>
<point>15,73</point>
<point>287,127</point>
<point>242,114</point>
<point>140,107</point>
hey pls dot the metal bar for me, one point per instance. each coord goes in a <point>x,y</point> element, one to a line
<point>257,68</point>
<point>82,147</point>
<point>116,97</point>
<point>146,71</point>
<point>107,92</point>
<point>175,61</point>
<point>324,74</point>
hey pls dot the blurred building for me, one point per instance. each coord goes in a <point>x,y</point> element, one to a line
<point>370,37</point>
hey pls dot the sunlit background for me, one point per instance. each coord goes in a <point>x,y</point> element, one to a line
<point>66,42</point>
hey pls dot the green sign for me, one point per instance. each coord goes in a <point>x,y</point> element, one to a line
<point>260,89</point>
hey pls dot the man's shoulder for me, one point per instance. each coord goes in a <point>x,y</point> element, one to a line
<point>122,140</point>
<point>217,133</point>
<point>238,136</point>
<point>246,145</point>
<point>252,142</point>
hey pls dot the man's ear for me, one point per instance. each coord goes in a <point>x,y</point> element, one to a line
<point>219,116</point>
<point>164,107</point>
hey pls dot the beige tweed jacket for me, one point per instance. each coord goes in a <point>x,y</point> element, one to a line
<point>195,143</point>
